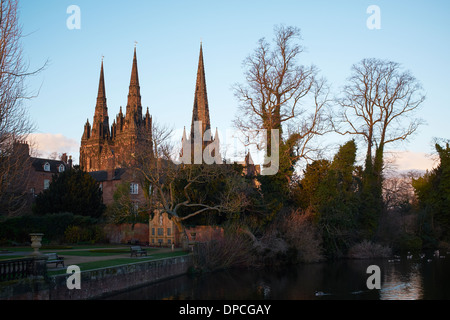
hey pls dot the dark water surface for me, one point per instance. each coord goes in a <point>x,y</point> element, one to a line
<point>401,279</point>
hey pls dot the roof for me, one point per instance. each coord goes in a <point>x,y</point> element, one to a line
<point>102,175</point>
<point>38,164</point>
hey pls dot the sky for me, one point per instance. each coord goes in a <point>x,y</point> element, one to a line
<point>168,35</point>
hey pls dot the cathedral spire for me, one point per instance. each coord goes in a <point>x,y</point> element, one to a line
<point>201,109</point>
<point>101,85</point>
<point>134,107</point>
<point>100,126</point>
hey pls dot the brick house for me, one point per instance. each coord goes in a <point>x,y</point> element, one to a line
<point>110,179</point>
<point>43,170</point>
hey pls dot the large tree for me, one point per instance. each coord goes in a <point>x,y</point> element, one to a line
<point>329,191</point>
<point>433,193</point>
<point>186,192</point>
<point>378,104</point>
<point>286,102</point>
<point>72,191</point>
<point>280,93</point>
<point>15,124</point>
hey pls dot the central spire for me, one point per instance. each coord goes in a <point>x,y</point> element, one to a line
<point>101,119</point>
<point>134,107</point>
<point>201,109</point>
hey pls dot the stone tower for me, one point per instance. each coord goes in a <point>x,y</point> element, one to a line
<point>104,147</point>
<point>200,136</point>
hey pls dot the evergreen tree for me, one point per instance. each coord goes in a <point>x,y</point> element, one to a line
<point>433,192</point>
<point>330,191</point>
<point>371,204</point>
<point>338,206</point>
<point>72,191</point>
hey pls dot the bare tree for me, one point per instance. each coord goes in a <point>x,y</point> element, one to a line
<point>173,187</point>
<point>379,103</point>
<point>279,91</point>
<point>15,123</point>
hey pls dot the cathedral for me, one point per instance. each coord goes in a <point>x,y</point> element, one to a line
<point>106,151</point>
<point>105,147</point>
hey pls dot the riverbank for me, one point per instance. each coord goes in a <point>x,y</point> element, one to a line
<point>102,272</point>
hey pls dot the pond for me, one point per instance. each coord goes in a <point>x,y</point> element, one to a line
<point>426,278</point>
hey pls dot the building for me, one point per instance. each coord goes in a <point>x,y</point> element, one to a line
<point>110,179</point>
<point>106,151</point>
<point>31,176</point>
<point>43,170</point>
<point>164,233</point>
<point>200,137</point>
<point>107,148</point>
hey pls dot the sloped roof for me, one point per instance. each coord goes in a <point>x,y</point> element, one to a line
<point>38,164</point>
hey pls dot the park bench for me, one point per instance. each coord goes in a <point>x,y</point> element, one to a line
<point>54,258</point>
<point>135,250</point>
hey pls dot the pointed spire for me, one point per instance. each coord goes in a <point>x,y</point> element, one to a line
<point>201,108</point>
<point>134,71</point>
<point>184,138</point>
<point>101,85</point>
<point>101,119</point>
<point>134,107</point>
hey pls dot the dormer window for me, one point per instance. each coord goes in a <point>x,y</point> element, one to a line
<point>47,167</point>
<point>61,168</point>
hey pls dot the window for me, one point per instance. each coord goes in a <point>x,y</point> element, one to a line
<point>168,241</point>
<point>100,186</point>
<point>46,184</point>
<point>160,231</point>
<point>134,188</point>
<point>169,231</point>
<point>61,168</point>
<point>153,231</point>
<point>47,166</point>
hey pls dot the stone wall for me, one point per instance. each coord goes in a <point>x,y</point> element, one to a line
<point>98,283</point>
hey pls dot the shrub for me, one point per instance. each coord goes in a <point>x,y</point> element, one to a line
<point>301,236</point>
<point>53,226</point>
<point>408,242</point>
<point>91,234</point>
<point>369,250</point>
<point>234,250</point>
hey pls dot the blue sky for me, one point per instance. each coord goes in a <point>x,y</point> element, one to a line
<point>413,33</point>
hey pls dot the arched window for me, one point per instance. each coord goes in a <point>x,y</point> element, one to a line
<point>61,168</point>
<point>47,166</point>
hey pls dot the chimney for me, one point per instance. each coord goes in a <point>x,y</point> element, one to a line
<point>69,163</point>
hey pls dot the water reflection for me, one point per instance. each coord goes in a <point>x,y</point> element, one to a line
<point>400,284</point>
<point>346,279</point>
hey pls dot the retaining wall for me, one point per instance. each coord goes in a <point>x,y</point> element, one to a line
<point>100,282</point>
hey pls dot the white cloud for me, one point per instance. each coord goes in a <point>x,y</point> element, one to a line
<point>408,160</point>
<point>45,144</point>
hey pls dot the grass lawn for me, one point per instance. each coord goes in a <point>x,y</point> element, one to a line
<point>96,252</point>
<point>115,262</point>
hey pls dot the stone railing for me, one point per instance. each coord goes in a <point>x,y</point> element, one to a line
<point>16,269</point>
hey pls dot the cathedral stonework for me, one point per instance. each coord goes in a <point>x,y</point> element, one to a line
<point>105,147</point>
